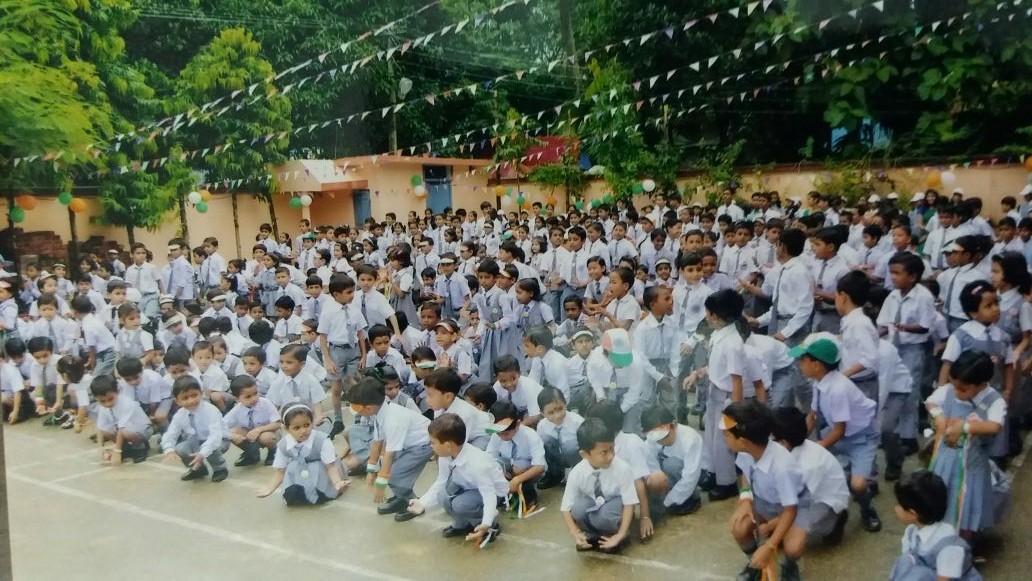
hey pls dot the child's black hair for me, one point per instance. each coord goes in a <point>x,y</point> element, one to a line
<point>688,259</point>
<point>202,346</point>
<point>531,286</point>
<point>1014,269</point>
<point>592,433</point>
<point>207,325</point>
<point>260,332</point>
<point>506,363</point>
<point>177,356</point>
<point>505,410</point>
<point>829,235</point>
<point>423,354</point>
<point>339,283</point>
<point>240,383</point>
<point>14,347</point>
<point>256,352</point>
<point>753,421</point>
<point>445,380</point>
<point>652,294</point>
<point>855,285</point>
<point>482,394</point>
<point>82,304</point>
<point>39,345</point>
<point>184,384</point>
<point>727,305</point>
<point>285,303</point>
<point>790,426</point>
<point>970,297</point>
<point>103,385</point>
<point>128,367</point>
<point>574,299</point>
<point>377,331</point>
<point>298,352</point>
<point>926,494</point>
<point>489,267</point>
<point>625,275</point>
<point>609,412</point>
<point>448,428</point>
<point>550,395</point>
<point>540,336</point>
<point>793,240</point>
<point>72,367</point>
<point>657,415</point>
<point>973,367</point>
<point>368,391</point>
<point>911,263</point>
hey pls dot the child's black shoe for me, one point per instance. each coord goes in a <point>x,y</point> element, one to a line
<point>870,521</point>
<point>707,481</point>
<point>294,495</point>
<point>140,452</point>
<point>451,532</point>
<point>404,516</point>
<point>835,536</point>
<point>750,574</point>
<point>194,474</point>
<point>219,475</point>
<point>270,457</point>
<point>338,427</point>
<point>394,505</point>
<point>723,492</point>
<point>247,459</point>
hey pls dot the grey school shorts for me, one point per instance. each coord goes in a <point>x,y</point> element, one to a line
<point>345,357</point>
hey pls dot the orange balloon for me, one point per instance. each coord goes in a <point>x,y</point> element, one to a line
<point>552,200</point>
<point>499,191</point>
<point>77,205</point>
<point>1028,162</point>
<point>27,202</point>
<point>205,196</point>
<point>934,179</point>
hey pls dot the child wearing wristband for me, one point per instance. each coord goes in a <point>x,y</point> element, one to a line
<point>399,450</point>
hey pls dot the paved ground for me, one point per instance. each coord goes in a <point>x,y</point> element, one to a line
<point>75,519</point>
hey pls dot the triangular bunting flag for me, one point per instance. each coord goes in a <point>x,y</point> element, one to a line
<point>733,12</point>
<point>694,66</point>
<point>669,31</point>
<point>713,17</point>
<point>688,25</point>
<point>879,5</point>
<point>749,8</point>
<point>652,81</point>
<point>646,37</point>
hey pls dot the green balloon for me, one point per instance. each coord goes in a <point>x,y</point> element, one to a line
<point>579,204</point>
<point>416,180</point>
<point>65,198</point>
<point>596,203</point>
<point>607,199</point>
<point>202,207</point>
<point>508,191</point>
<point>637,188</point>
<point>295,203</point>
<point>521,201</point>
<point>17,215</point>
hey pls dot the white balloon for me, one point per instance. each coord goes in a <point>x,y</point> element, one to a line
<point>508,202</point>
<point>194,197</point>
<point>648,185</point>
<point>948,178</point>
<point>306,200</point>
<point>419,191</point>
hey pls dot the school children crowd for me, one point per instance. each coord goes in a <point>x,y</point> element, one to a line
<point>638,358</point>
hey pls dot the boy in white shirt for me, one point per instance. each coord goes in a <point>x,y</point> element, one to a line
<point>547,366</point>
<point>253,360</point>
<point>558,431</point>
<point>341,341</point>
<point>375,308</point>
<point>195,433</point>
<point>288,323</point>
<point>521,392</point>
<point>253,423</point>
<point>382,352</point>
<point>598,503</point>
<point>518,448</point>
<point>97,339</point>
<point>674,458</point>
<point>152,392</point>
<point>859,335</point>
<point>120,420</point>
<point>213,380</point>
<point>442,395</point>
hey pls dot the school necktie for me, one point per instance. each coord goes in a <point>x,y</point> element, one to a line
<point>293,388</point>
<point>364,316</point>
<point>777,297</point>
<point>949,292</point>
<point>347,319</point>
<point>895,323</point>
<point>770,254</point>
<point>448,482</point>
<point>597,488</point>
<point>820,277</point>
<point>555,261</point>
<point>114,318</point>
<point>559,439</point>
<point>250,418</point>
<point>114,419</point>
<point>193,425</point>
<point>50,333</point>
<point>598,290</point>
<point>135,279</point>
<point>448,306</point>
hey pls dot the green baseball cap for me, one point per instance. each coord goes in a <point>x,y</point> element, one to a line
<point>821,349</point>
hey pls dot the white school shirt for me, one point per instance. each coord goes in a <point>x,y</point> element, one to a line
<point>951,285</point>
<point>525,447</point>
<point>341,324</point>
<point>264,380</point>
<point>792,290</point>
<point>733,210</point>
<point>578,269</point>
<point>916,308</point>
<point>128,338</point>
<point>659,340</point>
<point>313,306</point>
<point>241,416</point>
<point>576,369</point>
<point>186,338</point>
<point>598,248</point>
<point>326,453</point>
<point>775,478</point>
<point>476,421</point>
<point>565,432</point>
<point>631,449</point>
<point>95,334</point>
<point>949,562</point>
<point>153,388</point>
<point>688,447</point>
<point>739,261</point>
<point>144,278</point>
<point>237,343</point>
<point>977,331</point>
<point>616,480</point>
<point>423,261</point>
<point>840,400</point>
<point>399,428</point>
<point>773,353</point>
<point>600,373</point>
<point>461,359</point>
<point>392,358</point>
<point>689,307</point>
<point>212,379</point>
<point>625,308</point>
<point>291,290</point>
<point>96,299</point>
<point>826,274</point>
<point>596,289</point>
<point>10,378</point>
<point>61,331</point>
<point>997,412</point>
<point>181,279</point>
<point>375,307</point>
<point>893,375</point>
<point>287,327</point>
<point>303,388</point>
<point>470,469</point>
<point>619,249</point>
<point>823,475</point>
<point>206,425</point>
<point>859,343</point>
<point>125,414</point>
<point>556,263</point>
<point>524,397</point>
<point>727,357</point>
<point>551,369</point>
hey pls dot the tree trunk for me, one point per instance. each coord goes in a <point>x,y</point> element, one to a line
<point>13,238</point>
<point>130,231</point>
<point>272,217</point>
<point>236,221</point>
<point>75,239</point>
<point>566,26</point>
<point>184,229</point>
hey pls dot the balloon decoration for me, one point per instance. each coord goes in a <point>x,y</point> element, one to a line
<point>295,202</point>
<point>508,191</point>
<point>416,180</point>
<point>499,191</point>
<point>64,198</point>
<point>507,202</point>
<point>648,185</point>
<point>521,200</point>
<point>934,179</point>
<point>77,205</point>
<point>596,203</point>
<point>205,196</point>
<point>637,189</point>
<point>419,191</point>
<point>948,178</point>
<point>202,207</point>
<point>552,200</point>
<point>27,202</point>
<point>607,199</point>
<point>306,200</point>
<point>17,215</point>
<point>194,198</point>
<point>1028,162</point>
<point>579,204</point>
